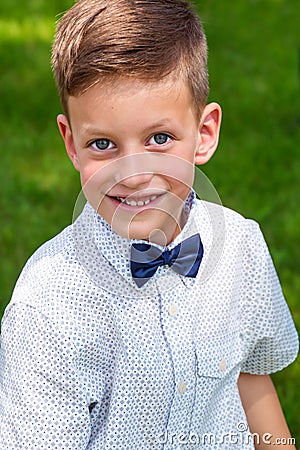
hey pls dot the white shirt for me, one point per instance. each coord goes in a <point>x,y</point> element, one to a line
<point>90,361</point>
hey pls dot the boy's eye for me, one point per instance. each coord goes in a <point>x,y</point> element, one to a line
<point>159,138</point>
<point>102,144</point>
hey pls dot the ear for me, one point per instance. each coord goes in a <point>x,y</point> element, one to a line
<point>209,130</point>
<point>66,132</point>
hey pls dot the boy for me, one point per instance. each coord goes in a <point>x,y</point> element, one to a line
<point>111,342</point>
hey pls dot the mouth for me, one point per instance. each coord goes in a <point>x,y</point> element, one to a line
<point>132,202</point>
<point>136,202</point>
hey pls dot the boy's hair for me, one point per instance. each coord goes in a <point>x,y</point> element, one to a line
<point>101,40</point>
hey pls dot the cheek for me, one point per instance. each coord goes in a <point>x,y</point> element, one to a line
<point>178,192</point>
<point>87,177</point>
<point>92,173</point>
<point>97,179</point>
<point>180,174</point>
<point>181,189</point>
<point>90,182</point>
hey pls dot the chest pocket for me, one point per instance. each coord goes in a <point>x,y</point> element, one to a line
<point>219,355</point>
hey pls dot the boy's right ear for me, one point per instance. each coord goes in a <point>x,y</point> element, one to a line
<point>66,132</point>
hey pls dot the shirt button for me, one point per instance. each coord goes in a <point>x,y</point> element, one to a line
<point>173,310</point>
<point>223,364</point>
<point>182,387</point>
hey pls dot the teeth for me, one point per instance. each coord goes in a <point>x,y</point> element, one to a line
<point>137,203</point>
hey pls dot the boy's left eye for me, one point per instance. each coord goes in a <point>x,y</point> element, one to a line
<point>159,138</point>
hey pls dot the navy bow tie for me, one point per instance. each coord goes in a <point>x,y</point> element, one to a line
<point>184,259</point>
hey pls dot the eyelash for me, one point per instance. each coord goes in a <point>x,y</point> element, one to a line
<point>111,145</point>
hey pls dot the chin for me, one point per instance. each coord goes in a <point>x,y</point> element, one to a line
<point>149,225</point>
<point>154,234</point>
<point>134,233</point>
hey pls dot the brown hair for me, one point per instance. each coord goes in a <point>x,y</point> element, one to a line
<point>98,40</point>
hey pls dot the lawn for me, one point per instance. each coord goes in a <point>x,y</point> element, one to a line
<point>254,75</point>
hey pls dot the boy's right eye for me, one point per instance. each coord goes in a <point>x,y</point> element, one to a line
<point>102,144</point>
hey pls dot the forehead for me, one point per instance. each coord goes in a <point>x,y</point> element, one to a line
<point>124,94</point>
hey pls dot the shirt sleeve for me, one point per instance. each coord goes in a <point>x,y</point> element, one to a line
<point>42,403</point>
<point>270,334</point>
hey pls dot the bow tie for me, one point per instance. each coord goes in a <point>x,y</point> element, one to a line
<point>184,259</point>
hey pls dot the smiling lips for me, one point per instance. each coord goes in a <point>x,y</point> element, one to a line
<point>137,202</point>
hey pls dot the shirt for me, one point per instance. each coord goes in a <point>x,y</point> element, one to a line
<point>90,361</point>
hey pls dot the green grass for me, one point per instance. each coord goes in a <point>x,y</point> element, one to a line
<point>254,73</point>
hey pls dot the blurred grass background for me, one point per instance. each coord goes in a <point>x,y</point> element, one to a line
<point>254,75</point>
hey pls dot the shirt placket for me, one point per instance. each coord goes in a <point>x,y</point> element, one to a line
<point>177,329</point>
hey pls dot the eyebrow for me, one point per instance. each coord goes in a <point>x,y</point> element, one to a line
<point>160,124</point>
<point>164,122</point>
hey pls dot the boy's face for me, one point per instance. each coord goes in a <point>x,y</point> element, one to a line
<point>135,144</point>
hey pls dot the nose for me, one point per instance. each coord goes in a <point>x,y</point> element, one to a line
<point>134,170</point>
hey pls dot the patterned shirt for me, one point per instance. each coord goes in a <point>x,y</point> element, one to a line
<point>91,361</point>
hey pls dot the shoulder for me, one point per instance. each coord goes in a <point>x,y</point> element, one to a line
<point>49,255</point>
<point>55,291</point>
<point>51,269</point>
<point>225,221</point>
<point>62,247</point>
<point>232,243</point>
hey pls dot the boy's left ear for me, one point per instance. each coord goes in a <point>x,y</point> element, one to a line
<point>209,130</point>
